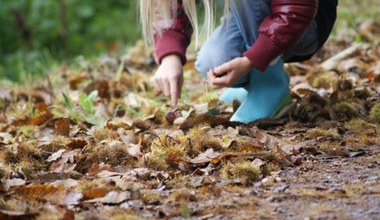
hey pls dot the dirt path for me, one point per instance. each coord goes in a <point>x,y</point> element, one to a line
<point>328,188</point>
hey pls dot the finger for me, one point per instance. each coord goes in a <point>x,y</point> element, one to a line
<point>180,83</point>
<point>174,92</point>
<point>166,87</point>
<point>221,70</point>
<point>212,79</point>
<point>157,85</point>
<point>222,81</point>
<point>210,76</point>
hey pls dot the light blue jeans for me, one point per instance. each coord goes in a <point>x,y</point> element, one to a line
<point>238,32</point>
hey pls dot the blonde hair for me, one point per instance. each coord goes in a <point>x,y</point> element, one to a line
<point>150,13</point>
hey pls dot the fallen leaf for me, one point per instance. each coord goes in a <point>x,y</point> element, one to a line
<point>72,198</point>
<point>97,168</point>
<point>67,183</point>
<point>134,150</point>
<point>53,194</point>
<point>55,156</point>
<point>41,119</point>
<point>94,193</point>
<point>62,127</point>
<point>9,183</point>
<point>5,94</point>
<point>112,197</point>
<point>77,144</point>
<point>205,157</point>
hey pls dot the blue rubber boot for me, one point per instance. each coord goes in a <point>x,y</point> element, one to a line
<point>268,92</point>
<point>231,94</point>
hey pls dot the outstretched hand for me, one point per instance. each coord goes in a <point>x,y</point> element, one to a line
<point>228,73</point>
<point>169,78</point>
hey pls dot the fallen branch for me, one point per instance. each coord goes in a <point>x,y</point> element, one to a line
<point>333,61</point>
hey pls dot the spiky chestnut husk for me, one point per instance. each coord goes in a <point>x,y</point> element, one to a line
<point>244,170</point>
<point>374,114</point>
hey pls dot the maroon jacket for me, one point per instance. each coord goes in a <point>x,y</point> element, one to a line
<point>277,33</point>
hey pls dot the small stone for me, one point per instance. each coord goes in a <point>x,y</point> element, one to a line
<point>268,181</point>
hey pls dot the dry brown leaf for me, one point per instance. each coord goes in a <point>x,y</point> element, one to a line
<point>49,193</point>
<point>15,215</point>
<point>205,157</point>
<point>77,144</point>
<point>112,197</point>
<point>9,183</point>
<point>62,127</point>
<point>303,89</point>
<point>41,107</point>
<point>274,144</point>
<point>134,150</point>
<point>97,168</point>
<point>41,119</point>
<point>103,89</point>
<point>6,94</point>
<point>55,156</point>
<point>75,80</point>
<point>72,198</point>
<point>69,215</point>
<point>94,193</point>
<point>67,183</point>
<point>66,164</point>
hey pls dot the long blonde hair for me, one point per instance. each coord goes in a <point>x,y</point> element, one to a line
<point>150,13</point>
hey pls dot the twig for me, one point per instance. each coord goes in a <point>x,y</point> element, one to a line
<point>333,61</point>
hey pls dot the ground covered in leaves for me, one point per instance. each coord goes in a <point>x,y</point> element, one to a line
<point>97,142</point>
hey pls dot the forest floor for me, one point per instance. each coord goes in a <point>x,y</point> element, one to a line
<point>97,142</point>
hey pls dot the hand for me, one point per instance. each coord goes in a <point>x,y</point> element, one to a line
<point>169,77</point>
<point>228,73</point>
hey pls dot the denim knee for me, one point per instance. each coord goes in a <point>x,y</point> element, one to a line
<point>208,59</point>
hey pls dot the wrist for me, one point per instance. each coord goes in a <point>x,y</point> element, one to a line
<point>247,62</point>
<point>171,58</point>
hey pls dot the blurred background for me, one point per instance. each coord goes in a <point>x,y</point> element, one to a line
<point>36,35</point>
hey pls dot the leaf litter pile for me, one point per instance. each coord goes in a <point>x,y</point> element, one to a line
<point>98,142</point>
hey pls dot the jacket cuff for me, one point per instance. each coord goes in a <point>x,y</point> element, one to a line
<point>263,52</point>
<point>171,42</point>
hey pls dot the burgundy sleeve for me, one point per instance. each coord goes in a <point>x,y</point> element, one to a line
<point>281,30</point>
<point>176,38</point>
